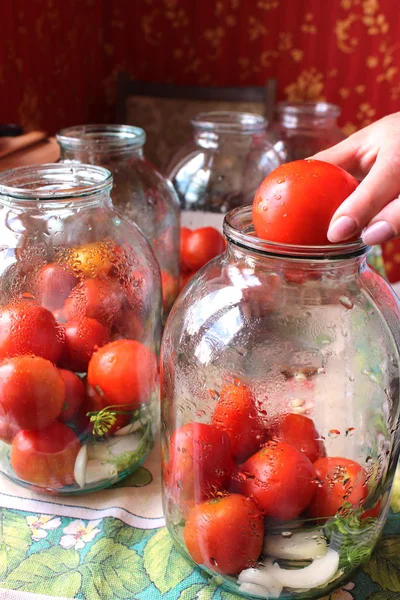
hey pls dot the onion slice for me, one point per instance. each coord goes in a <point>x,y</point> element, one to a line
<point>304,545</point>
<point>319,572</point>
<point>256,590</point>
<point>130,428</point>
<point>114,447</point>
<point>263,578</point>
<point>80,466</point>
<point>97,471</point>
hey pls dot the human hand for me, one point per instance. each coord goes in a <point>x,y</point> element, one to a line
<point>373,155</point>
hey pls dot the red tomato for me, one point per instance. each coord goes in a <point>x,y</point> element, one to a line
<point>97,299</point>
<point>54,284</point>
<point>236,414</point>
<point>199,465</point>
<point>185,278</point>
<point>74,395</point>
<point>123,372</point>
<point>170,290</point>
<point>296,202</point>
<point>342,481</point>
<point>32,392</point>
<point>280,479</point>
<point>26,328</point>
<point>185,234</point>
<point>299,432</point>
<point>82,338</point>
<point>225,534</point>
<point>131,325</point>
<point>200,247</point>
<point>47,457</point>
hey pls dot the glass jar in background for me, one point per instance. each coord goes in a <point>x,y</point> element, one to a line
<point>280,412</point>
<point>301,129</point>
<point>80,306</point>
<point>140,192</point>
<point>222,167</point>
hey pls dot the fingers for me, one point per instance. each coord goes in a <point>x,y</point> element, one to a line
<point>385,226</point>
<point>380,186</point>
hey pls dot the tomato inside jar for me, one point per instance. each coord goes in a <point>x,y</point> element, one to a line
<point>277,442</point>
<point>80,314</point>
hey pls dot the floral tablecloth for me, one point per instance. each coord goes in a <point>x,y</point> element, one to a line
<point>113,545</point>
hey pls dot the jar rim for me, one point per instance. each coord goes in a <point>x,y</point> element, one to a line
<point>229,121</point>
<point>101,137</point>
<point>238,228</point>
<point>54,181</point>
<point>309,109</point>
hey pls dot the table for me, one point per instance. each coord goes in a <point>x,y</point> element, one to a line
<point>113,545</point>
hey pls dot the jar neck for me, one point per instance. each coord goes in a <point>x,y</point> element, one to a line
<point>307,115</point>
<point>100,144</point>
<point>227,127</point>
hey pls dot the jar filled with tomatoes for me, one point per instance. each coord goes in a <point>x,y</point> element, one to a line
<point>140,192</point>
<point>80,305</point>
<point>280,408</point>
<point>301,129</point>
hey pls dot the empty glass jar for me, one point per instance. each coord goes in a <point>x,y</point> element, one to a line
<point>280,413</point>
<point>139,192</point>
<point>80,304</point>
<point>222,167</point>
<point>301,129</point>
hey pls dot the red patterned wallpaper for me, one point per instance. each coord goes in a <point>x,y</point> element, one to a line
<point>59,59</point>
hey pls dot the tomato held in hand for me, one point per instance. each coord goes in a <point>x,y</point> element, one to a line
<point>123,372</point>
<point>299,432</point>
<point>46,457</point>
<point>236,414</point>
<point>200,464</point>
<point>32,392</point>
<point>74,395</point>
<point>280,479</point>
<point>198,248</point>
<point>82,339</point>
<point>97,299</point>
<point>225,534</point>
<point>342,481</point>
<point>296,202</point>
<point>54,284</point>
<point>26,328</point>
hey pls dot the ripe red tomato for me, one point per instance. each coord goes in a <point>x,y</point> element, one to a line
<point>97,299</point>
<point>199,464</point>
<point>54,284</point>
<point>236,414</point>
<point>123,372</point>
<point>170,290</point>
<point>26,328</point>
<point>225,534</point>
<point>299,432</point>
<point>198,248</point>
<point>46,457</point>
<point>82,339</point>
<point>185,234</point>
<point>74,395</point>
<point>280,479</point>
<point>296,202</point>
<point>342,481</point>
<point>32,392</point>
<point>131,325</point>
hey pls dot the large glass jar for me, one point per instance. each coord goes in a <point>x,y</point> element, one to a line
<point>280,412</point>
<point>80,305</point>
<point>222,167</point>
<point>140,192</point>
<point>301,129</point>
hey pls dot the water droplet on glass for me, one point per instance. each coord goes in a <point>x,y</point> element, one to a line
<point>351,378</point>
<point>280,181</point>
<point>350,431</point>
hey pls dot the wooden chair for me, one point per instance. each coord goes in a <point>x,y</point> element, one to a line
<point>164,111</point>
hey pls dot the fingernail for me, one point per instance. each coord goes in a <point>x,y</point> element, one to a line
<point>378,233</point>
<point>341,229</point>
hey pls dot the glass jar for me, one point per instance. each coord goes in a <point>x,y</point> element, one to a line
<point>222,167</point>
<point>280,409</point>
<point>80,329</point>
<point>301,129</point>
<point>140,192</point>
